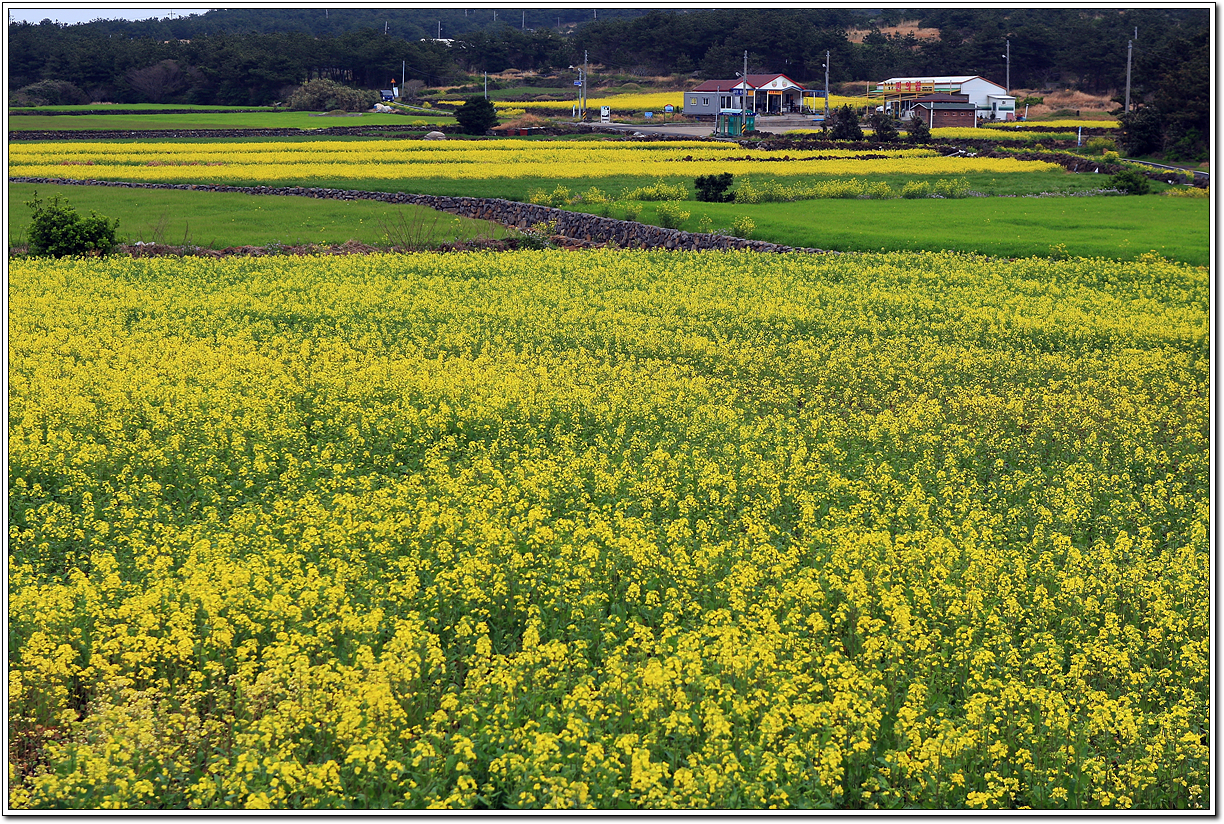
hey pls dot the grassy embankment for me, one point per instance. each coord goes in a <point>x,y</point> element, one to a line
<point>220,219</point>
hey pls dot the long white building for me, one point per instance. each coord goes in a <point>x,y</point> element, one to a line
<point>991,100</point>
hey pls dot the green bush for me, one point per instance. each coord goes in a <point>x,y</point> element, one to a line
<point>743,226</point>
<point>1130,182</point>
<point>952,188</point>
<point>916,189</point>
<point>559,196</point>
<point>671,215</point>
<point>1101,145</point>
<point>661,190</point>
<point>713,188</point>
<point>50,93</point>
<point>58,231</point>
<point>917,130</point>
<point>844,124</point>
<point>632,210</point>
<point>323,95</point>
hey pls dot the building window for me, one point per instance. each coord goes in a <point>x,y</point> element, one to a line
<point>725,101</point>
<point>692,101</point>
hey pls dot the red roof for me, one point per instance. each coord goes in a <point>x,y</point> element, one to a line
<point>755,81</point>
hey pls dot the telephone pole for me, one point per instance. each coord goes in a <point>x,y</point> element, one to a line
<point>744,98</point>
<point>1007,57</point>
<point>826,86</point>
<point>1129,49</point>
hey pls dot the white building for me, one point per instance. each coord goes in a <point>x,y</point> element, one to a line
<point>991,100</point>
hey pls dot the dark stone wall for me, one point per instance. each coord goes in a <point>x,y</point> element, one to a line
<point>587,229</point>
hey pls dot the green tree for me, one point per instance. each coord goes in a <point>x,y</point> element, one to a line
<point>885,127</point>
<point>844,124</point>
<point>917,130</point>
<point>476,116</point>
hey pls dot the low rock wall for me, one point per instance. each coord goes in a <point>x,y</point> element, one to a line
<point>583,228</point>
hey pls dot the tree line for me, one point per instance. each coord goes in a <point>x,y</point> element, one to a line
<point>256,56</point>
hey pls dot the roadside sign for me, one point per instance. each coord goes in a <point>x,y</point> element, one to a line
<point>577,82</point>
<point>820,93</point>
<point>737,92</point>
<point>649,115</point>
<point>669,108</point>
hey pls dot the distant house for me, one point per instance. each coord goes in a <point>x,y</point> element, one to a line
<point>938,113</point>
<point>759,93</point>
<point>990,100</point>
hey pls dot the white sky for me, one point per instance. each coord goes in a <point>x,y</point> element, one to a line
<point>70,13</point>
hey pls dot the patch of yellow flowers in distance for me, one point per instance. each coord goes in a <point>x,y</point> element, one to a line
<point>610,529</point>
<point>239,162</point>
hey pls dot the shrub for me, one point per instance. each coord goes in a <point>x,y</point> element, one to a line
<point>743,226</point>
<point>323,95</point>
<point>58,231</point>
<point>705,225</point>
<point>915,189</point>
<point>591,195</point>
<point>1191,192</point>
<point>671,215</point>
<point>51,93</point>
<point>1112,157</point>
<point>477,115</point>
<point>632,210</point>
<point>885,127</point>
<point>845,124</point>
<point>661,190</point>
<point>952,188</point>
<point>1101,145</point>
<point>559,196</point>
<point>1130,182</point>
<point>917,130</point>
<point>713,188</point>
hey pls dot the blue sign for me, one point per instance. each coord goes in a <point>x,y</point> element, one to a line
<point>649,115</point>
<point>737,92</point>
<point>818,94</point>
<point>669,108</point>
<point>577,82</point>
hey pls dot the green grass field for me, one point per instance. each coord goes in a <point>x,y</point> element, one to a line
<point>1113,227</point>
<point>208,120</point>
<point>220,219</point>
<point>1119,227</point>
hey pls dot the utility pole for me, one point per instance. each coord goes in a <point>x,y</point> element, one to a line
<point>1129,50</point>
<point>744,105</point>
<point>524,26</point>
<point>826,68</point>
<point>403,77</point>
<point>1007,57</point>
<point>585,69</point>
<point>439,29</point>
<point>486,85</point>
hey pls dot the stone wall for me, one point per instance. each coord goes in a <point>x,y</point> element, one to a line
<point>583,228</point>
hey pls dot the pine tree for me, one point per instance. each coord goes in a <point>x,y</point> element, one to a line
<point>477,115</point>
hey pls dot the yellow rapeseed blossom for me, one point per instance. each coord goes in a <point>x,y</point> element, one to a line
<point>240,162</point>
<point>608,530</point>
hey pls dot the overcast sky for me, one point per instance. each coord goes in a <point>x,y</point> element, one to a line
<point>83,14</point>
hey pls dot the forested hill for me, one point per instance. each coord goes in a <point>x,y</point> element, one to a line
<point>251,56</point>
<point>407,24</point>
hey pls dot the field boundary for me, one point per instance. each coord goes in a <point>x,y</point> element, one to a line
<point>579,227</point>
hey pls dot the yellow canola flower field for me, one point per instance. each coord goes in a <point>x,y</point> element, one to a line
<point>609,529</point>
<point>240,162</point>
